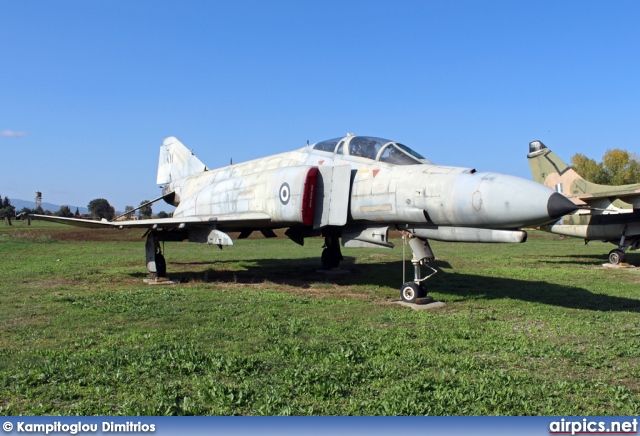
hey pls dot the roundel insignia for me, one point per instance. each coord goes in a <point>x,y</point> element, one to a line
<point>285,193</point>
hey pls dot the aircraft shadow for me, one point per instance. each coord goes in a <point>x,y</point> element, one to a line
<point>303,273</point>
<point>591,259</point>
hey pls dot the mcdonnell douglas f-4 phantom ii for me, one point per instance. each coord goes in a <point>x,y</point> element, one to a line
<point>607,213</point>
<point>352,188</point>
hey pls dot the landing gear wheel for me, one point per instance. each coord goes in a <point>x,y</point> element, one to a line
<point>617,257</point>
<point>161,265</point>
<point>330,259</point>
<point>411,291</point>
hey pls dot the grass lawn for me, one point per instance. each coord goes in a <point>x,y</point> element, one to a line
<point>531,329</point>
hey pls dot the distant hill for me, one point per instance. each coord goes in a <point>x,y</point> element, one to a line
<point>19,204</point>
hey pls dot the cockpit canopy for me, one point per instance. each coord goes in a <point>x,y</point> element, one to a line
<point>369,147</point>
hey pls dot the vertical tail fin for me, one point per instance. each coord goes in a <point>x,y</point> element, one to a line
<point>176,162</point>
<point>548,169</point>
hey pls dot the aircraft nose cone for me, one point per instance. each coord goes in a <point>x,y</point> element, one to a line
<point>501,201</point>
<point>559,205</point>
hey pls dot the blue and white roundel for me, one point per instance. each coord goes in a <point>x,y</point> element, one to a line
<point>285,193</point>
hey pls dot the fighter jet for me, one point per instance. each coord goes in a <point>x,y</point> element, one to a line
<point>353,189</point>
<point>607,213</point>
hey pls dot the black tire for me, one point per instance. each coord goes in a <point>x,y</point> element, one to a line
<point>161,265</point>
<point>329,259</point>
<point>617,257</point>
<point>410,292</point>
<point>422,291</point>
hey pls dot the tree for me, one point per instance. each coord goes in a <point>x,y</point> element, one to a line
<point>64,212</point>
<point>127,212</point>
<point>618,167</point>
<point>77,214</point>
<point>145,212</point>
<point>589,168</point>
<point>163,214</point>
<point>6,209</point>
<point>100,208</point>
<point>622,167</point>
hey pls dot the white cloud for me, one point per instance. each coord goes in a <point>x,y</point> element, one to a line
<point>12,134</point>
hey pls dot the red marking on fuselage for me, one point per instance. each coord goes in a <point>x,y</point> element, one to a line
<point>375,172</point>
<point>309,196</point>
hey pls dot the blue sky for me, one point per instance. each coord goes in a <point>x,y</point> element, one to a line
<point>88,89</point>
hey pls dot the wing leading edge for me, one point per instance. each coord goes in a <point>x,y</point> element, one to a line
<point>160,223</point>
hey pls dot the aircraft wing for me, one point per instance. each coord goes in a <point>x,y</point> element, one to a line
<point>629,197</point>
<point>627,201</point>
<point>162,223</point>
<point>592,193</point>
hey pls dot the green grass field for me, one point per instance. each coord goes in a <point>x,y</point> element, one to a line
<point>532,329</point>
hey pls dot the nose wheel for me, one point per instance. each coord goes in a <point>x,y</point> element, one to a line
<point>415,291</point>
<point>412,291</point>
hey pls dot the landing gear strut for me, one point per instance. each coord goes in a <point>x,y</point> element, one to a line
<point>618,256</point>
<point>415,291</point>
<point>156,264</point>
<point>331,255</point>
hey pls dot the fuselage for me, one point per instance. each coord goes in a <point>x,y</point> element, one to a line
<point>389,183</point>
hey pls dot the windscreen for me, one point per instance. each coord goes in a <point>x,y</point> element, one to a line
<point>328,145</point>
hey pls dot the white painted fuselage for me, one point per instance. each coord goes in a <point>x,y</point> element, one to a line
<point>282,191</point>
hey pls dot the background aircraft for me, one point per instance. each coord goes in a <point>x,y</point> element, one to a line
<point>352,188</point>
<point>610,213</point>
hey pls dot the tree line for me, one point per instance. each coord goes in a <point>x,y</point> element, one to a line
<point>99,208</point>
<point>618,167</point>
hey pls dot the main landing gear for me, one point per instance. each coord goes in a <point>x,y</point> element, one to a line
<point>415,291</point>
<point>156,264</point>
<point>331,255</point>
<point>618,255</point>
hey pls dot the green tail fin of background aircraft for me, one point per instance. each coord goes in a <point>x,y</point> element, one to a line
<point>548,169</point>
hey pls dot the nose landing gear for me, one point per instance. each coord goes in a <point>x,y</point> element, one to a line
<point>415,291</point>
